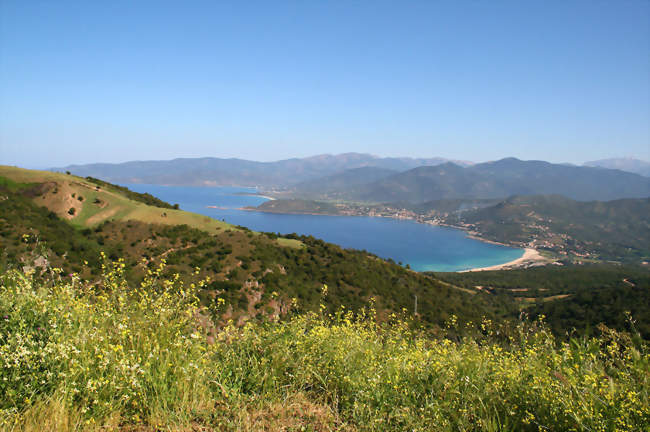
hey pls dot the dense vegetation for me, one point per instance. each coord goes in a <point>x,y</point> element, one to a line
<point>24,224</point>
<point>86,356</point>
<point>574,299</point>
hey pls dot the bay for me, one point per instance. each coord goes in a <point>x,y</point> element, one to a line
<point>424,247</point>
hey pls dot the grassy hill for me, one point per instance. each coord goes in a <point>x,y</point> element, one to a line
<point>87,203</point>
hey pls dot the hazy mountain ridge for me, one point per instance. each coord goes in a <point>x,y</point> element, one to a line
<point>341,181</point>
<point>228,172</point>
<point>500,179</point>
<point>628,164</point>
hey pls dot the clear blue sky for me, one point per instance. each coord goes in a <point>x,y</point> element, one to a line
<point>113,81</point>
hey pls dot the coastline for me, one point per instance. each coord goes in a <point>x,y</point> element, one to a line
<point>530,257</point>
<point>270,198</point>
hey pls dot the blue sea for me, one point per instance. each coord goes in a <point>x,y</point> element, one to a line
<point>423,247</point>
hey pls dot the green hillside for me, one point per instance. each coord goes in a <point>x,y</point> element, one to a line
<point>612,230</point>
<point>87,202</point>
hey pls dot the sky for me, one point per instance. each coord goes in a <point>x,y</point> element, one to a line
<point>563,81</point>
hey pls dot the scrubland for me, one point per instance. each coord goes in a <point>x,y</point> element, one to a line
<point>76,355</point>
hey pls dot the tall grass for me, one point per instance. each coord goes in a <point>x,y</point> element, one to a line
<point>82,356</point>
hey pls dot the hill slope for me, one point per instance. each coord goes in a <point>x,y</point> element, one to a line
<point>89,202</point>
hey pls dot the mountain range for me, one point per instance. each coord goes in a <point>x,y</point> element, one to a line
<point>367,178</point>
<point>488,180</point>
<point>239,172</point>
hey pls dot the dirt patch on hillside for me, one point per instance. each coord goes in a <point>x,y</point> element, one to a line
<point>101,216</point>
<point>59,198</point>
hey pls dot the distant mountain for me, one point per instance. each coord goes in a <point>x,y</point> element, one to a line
<point>502,178</point>
<point>329,186</point>
<point>624,164</point>
<point>223,172</point>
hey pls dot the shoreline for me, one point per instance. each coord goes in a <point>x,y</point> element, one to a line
<point>264,196</point>
<point>530,257</point>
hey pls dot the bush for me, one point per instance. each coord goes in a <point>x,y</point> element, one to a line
<point>68,343</point>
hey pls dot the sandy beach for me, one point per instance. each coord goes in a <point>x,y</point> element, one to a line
<point>530,256</point>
